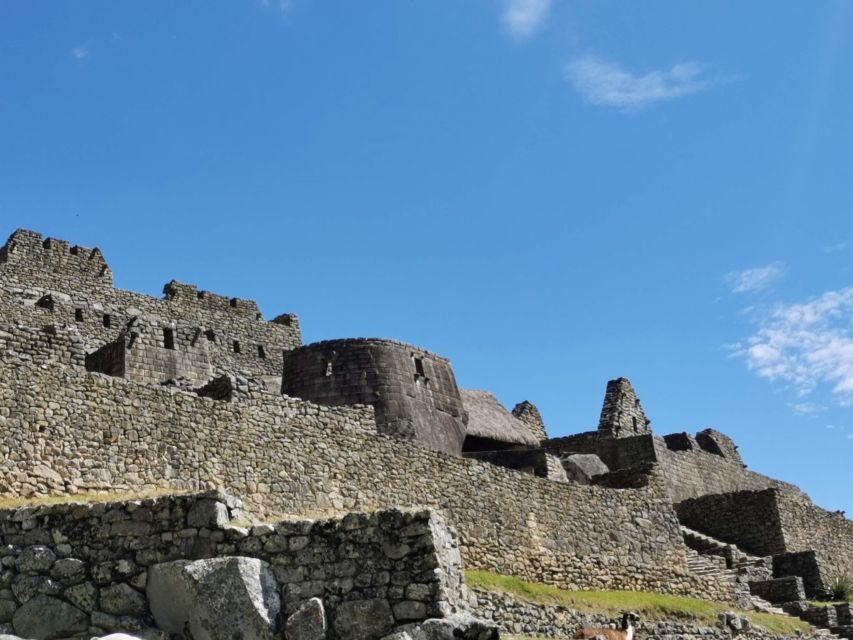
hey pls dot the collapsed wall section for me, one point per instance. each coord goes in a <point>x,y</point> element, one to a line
<point>94,432</point>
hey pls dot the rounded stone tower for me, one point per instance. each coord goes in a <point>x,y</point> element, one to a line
<point>413,391</point>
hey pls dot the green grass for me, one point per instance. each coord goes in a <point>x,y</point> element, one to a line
<point>653,606</point>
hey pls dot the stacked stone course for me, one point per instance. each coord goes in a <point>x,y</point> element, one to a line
<point>88,563</point>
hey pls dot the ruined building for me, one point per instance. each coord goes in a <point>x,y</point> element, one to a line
<point>103,389</point>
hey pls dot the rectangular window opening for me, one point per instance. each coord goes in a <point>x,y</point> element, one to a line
<point>261,353</point>
<point>168,338</point>
<point>107,320</point>
<point>210,334</point>
<point>78,315</point>
<point>236,346</point>
<point>419,366</point>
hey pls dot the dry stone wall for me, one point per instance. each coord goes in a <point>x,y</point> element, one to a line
<point>78,286</point>
<point>89,563</point>
<point>773,522</point>
<point>412,390</point>
<point>88,431</point>
<point>749,519</point>
<point>808,527</point>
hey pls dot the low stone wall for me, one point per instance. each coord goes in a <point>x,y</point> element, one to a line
<point>88,563</point>
<point>66,430</point>
<point>517,616</point>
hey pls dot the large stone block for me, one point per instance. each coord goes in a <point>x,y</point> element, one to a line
<point>219,599</point>
<point>46,618</point>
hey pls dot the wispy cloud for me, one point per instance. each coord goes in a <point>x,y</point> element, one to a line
<point>806,345</point>
<point>755,279</point>
<point>523,18</point>
<point>838,246</point>
<point>80,52</point>
<point>807,408</point>
<point>608,84</point>
<point>284,6</point>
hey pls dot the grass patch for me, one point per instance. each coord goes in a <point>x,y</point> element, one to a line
<point>652,606</point>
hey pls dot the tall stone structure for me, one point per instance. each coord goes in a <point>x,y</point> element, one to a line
<point>622,415</point>
<point>413,391</point>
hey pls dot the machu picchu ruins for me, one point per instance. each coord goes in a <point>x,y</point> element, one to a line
<point>153,448</point>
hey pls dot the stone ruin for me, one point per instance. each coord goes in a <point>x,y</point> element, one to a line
<point>104,390</point>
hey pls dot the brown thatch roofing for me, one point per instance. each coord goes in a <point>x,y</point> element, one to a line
<point>487,418</point>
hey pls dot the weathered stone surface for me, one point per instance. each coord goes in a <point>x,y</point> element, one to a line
<point>462,626</point>
<point>207,513</point>
<point>363,619</point>
<point>69,571</point>
<point>46,618</point>
<point>123,600</point>
<point>83,596</point>
<point>307,623</point>
<point>35,559</point>
<point>583,467</point>
<point>219,598</point>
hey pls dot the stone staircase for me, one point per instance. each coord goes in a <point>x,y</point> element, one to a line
<point>707,556</point>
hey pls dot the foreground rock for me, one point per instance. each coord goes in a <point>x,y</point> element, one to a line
<point>45,618</point>
<point>216,599</point>
<point>460,626</point>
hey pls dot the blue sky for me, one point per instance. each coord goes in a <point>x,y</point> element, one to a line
<point>550,193</point>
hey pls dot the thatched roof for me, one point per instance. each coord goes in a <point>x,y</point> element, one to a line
<point>487,418</point>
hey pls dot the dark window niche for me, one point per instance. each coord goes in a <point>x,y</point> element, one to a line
<point>261,353</point>
<point>108,321</point>
<point>168,338</point>
<point>78,315</point>
<point>236,346</point>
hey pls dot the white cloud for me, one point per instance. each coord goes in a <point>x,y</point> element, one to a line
<point>807,345</point>
<point>80,52</point>
<point>807,408</point>
<point>523,18</point>
<point>607,84</point>
<point>756,279</point>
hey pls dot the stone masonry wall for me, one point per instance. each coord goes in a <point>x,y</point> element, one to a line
<point>89,562</point>
<point>775,521</point>
<point>688,472</point>
<point>65,430</point>
<point>808,527</point>
<point>413,391</point>
<point>749,519</point>
<point>80,285</point>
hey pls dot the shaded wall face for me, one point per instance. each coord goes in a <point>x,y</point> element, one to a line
<point>413,392</point>
<point>748,519</point>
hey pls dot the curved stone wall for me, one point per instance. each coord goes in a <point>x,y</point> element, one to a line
<point>413,391</point>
